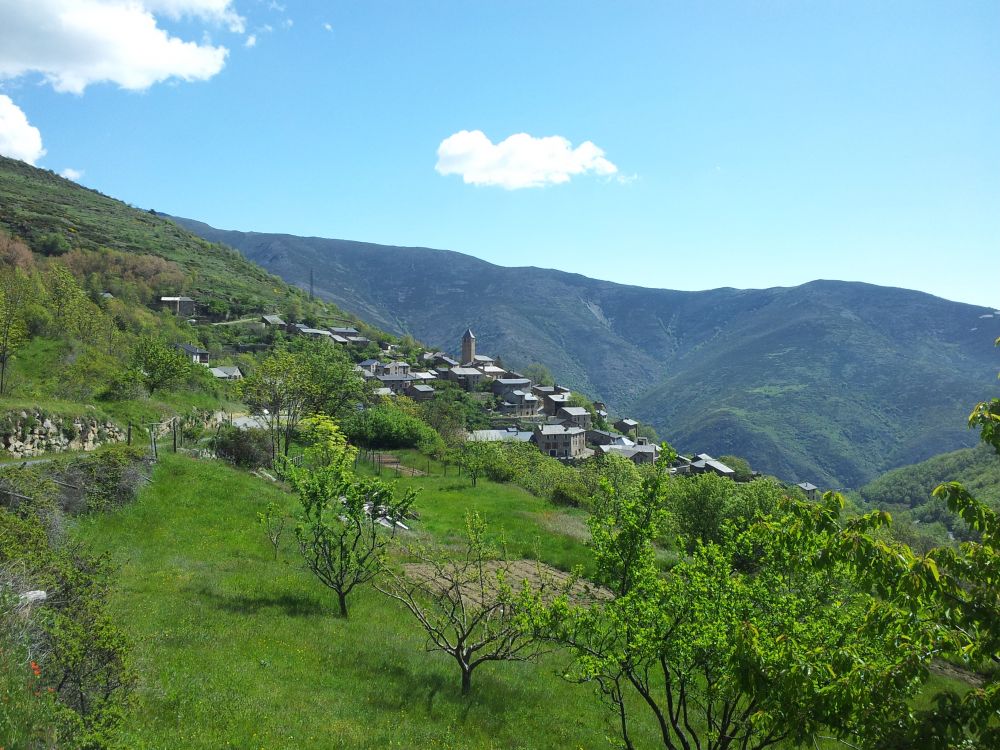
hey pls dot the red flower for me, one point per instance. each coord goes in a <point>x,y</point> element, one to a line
<point>36,669</point>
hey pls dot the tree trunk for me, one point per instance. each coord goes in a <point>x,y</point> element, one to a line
<point>466,680</point>
<point>342,600</point>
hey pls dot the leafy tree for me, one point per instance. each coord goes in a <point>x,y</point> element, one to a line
<point>346,523</point>
<point>702,505</point>
<point>272,520</point>
<point>741,467</point>
<point>53,244</point>
<point>945,603</point>
<point>476,458</point>
<point>647,431</point>
<point>387,426</point>
<point>156,365</point>
<point>467,604</point>
<point>313,378</point>
<point>276,392</point>
<point>739,645</point>
<point>15,288</point>
<point>539,374</point>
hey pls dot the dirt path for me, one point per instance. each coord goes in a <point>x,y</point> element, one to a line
<point>391,463</point>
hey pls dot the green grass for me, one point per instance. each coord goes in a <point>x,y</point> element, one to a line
<point>531,526</point>
<point>237,650</point>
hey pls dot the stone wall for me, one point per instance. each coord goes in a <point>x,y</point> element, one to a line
<point>27,432</point>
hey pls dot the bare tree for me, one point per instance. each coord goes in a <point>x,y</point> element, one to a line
<point>467,604</point>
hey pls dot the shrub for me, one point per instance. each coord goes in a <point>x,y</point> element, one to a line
<point>250,449</point>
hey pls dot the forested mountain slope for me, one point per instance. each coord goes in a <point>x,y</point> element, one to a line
<point>832,382</point>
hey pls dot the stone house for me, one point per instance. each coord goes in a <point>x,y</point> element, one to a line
<point>196,354</point>
<point>560,441</point>
<point>627,426</point>
<point>178,305</point>
<point>637,454</point>
<point>399,384</point>
<point>704,463</point>
<point>226,373</point>
<point>393,368</point>
<point>467,377</point>
<point>578,415</point>
<point>421,391</point>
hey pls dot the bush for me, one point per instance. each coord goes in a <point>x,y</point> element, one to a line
<point>386,426</point>
<point>250,449</point>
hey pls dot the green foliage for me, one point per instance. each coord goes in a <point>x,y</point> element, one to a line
<point>14,293</point>
<point>739,465</point>
<point>524,465</point>
<point>739,642</point>
<point>703,505</point>
<point>387,426</point>
<point>53,243</point>
<point>272,520</point>
<point>311,378</point>
<point>346,523</point>
<point>247,448</point>
<point>538,374</point>
<point>466,602</point>
<point>80,672</point>
<point>157,365</point>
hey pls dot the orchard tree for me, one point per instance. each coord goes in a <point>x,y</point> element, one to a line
<point>316,378</point>
<point>156,365</point>
<point>943,604</point>
<point>476,457</point>
<point>15,289</point>
<point>469,605</point>
<point>739,645</point>
<point>346,522</point>
<point>275,392</point>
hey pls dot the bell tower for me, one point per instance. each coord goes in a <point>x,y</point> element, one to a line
<point>468,346</point>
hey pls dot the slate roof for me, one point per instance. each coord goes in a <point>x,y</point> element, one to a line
<point>559,429</point>
<point>487,436</point>
<point>193,350</point>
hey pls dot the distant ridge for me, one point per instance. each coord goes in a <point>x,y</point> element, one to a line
<point>832,382</point>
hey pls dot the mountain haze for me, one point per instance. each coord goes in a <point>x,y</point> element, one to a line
<point>832,382</point>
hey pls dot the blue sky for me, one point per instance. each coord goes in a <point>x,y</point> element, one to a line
<point>699,145</point>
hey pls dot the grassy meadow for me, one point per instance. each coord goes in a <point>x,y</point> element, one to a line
<point>237,650</point>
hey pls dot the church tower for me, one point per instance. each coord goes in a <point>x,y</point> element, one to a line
<point>468,346</point>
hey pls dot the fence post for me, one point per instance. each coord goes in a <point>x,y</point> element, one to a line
<point>128,435</point>
<point>173,426</point>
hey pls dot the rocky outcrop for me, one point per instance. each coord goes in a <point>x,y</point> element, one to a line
<point>27,433</point>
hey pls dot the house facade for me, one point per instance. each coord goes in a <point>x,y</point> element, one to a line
<point>561,441</point>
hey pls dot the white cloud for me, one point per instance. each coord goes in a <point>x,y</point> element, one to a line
<point>328,27</point>
<point>76,43</point>
<point>19,139</point>
<point>251,41</point>
<point>72,174</point>
<point>217,11</point>
<point>520,161</point>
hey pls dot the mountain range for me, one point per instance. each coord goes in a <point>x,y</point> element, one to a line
<point>832,382</point>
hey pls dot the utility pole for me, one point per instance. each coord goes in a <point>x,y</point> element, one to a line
<point>310,285</point>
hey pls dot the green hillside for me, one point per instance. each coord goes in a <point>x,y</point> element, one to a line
<point>48,211</point>
<point>829,382</point>
<point>910,486</point>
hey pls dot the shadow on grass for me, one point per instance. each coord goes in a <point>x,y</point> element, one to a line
<point>293,605</point>
<point>490,700</point>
